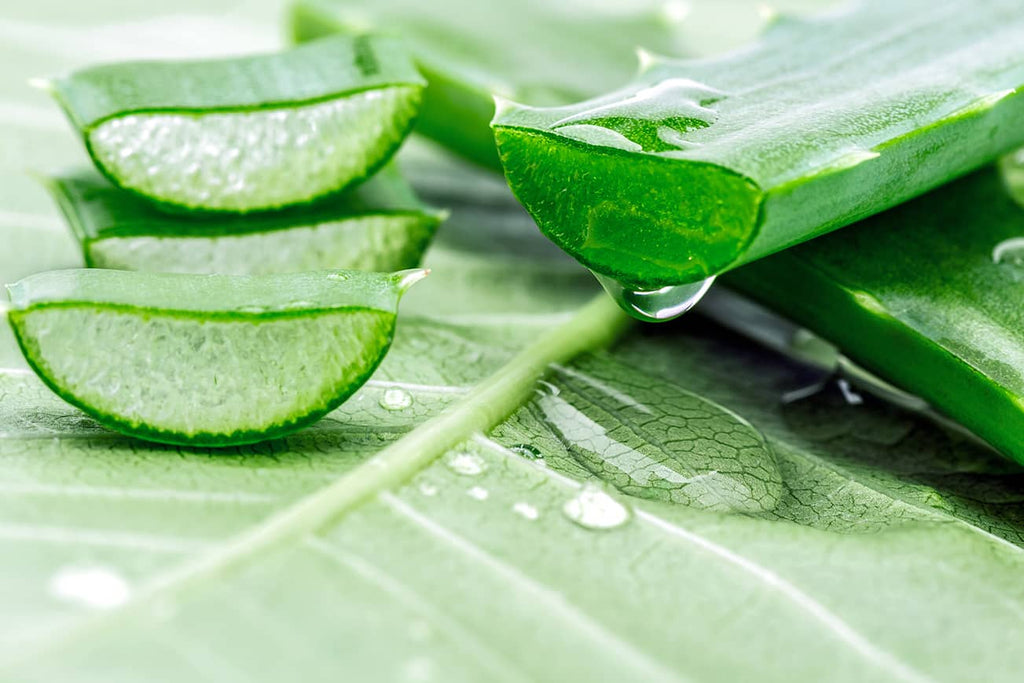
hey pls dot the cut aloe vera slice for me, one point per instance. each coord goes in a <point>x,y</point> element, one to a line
<point>379,225</point>
<point>251,133</point>
<point>700,166</point>
<point>929,295</point>
<point>210,360</point>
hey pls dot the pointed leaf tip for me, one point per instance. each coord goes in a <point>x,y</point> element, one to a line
<point>502,105</point>
<point>647,60</point>
<point>407,278</point>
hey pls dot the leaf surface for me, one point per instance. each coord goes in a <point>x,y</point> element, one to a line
<point>872,545</point>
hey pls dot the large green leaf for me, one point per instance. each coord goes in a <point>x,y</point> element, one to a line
<point>766,540</point>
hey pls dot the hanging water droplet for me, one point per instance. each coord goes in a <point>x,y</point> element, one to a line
<point>592,508</point>
<point>466,464</point>
<point>91,586</point>
<point>478,492</point>
<point>1009,252</point>
<point>658,305</point>
<point>396,399</point>
<point>526,511</point>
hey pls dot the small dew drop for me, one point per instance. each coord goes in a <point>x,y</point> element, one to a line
<point>1009,252</point>
<point>419,669</point>
<point>658,305</point>
<point>466,464</point>
<point>549,388</point>
<point>526,511</point>
<point>90,586</point>
<point>478,492</point>
<point>427,489</point>
<point>396,399</point>
<point>527,451</point>
<point>339,277</point>
<point>849,394</point>
<point>592,508</point>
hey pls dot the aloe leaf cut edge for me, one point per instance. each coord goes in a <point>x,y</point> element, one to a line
<point>703,165</point>
<point>205,360</point>
<point>380,226</point>
<point>246,134</point>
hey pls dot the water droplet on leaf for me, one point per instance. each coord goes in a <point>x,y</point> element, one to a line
<point>592,508</point>
<point>396,399</point>
<point>478,493</point>
<point>466,464</point>
<point>527,451</point>
<point>1009,252</point>
<point>91,586</point>
<point>526,511</point>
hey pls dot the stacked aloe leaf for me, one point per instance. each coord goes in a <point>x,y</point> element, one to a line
<point>699,166</point>
<point>253,199</point>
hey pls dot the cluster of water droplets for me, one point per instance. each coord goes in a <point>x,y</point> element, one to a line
<point>240,161</point>
<point>656,305</point>
<point>656,118</point>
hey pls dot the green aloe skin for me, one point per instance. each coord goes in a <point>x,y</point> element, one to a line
<point>700,166</point>
<point>249,133</point>
<point>378,226</point>
<point>206,360</point>
<point>470,50</point>
<point>927,294</point>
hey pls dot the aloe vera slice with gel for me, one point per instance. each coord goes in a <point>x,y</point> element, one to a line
<point>700,166</point>
<point>206,360</point>
<point>379,225</point>
<point>246,134</point>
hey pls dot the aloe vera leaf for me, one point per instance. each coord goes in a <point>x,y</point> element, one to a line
<point>249,133</point>
<point>207,360</point>
<point>380,225</point>
<point>700,166</point>
<point>468,51</point>
<point>928,295</point>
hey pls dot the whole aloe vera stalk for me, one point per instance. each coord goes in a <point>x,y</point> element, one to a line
<point>928,295</point>
<point>535,51</point>
<point>700,166</point>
